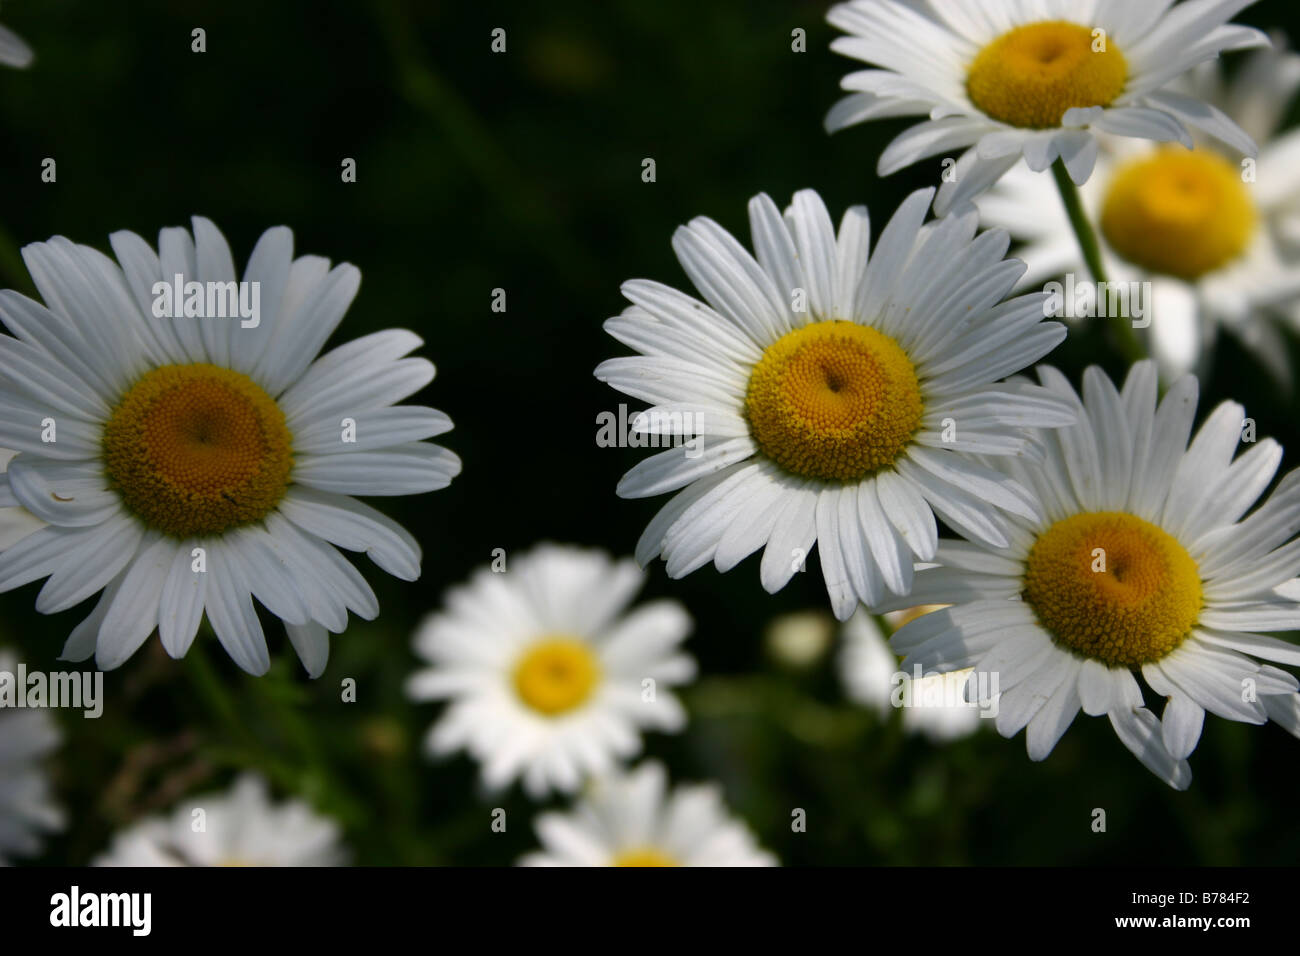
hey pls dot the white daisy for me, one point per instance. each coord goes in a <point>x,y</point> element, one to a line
<point>240,827</point>
<point>548,678</point>
<point>13,50</point>
<point>187,464</point>
<point>631,819</point>
<point>934,706</point>
<point>834,399</point>
<point>1219,243</point>
<point>1141,562</point>
<point>27,807</point>
<point>1037,79</point>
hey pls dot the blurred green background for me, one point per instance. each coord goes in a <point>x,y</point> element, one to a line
<point>522,171</point>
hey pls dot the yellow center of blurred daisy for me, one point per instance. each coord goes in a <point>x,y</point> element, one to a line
<point>1178,212</point>
<point>556,675</point>
<point>834,400</point>
<point>1030,76</point>
<point>197,449</point>
<point>1112,587</point>
<point>644,857</point>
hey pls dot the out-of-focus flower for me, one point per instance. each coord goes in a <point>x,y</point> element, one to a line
<point>550,677</point>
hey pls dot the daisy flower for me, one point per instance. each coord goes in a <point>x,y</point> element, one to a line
<point>934,706</point>
<point>631,819</point>
<point>1037,79</point>
<point>13,50</point>
<point>1142,563</point>
<point>187,465</point>
<point>832,399</point>
<point>241,827</point>
<point>27,808</point>
<point>1217,238</point>
<point>549,677</point>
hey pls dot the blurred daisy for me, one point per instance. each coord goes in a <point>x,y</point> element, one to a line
<point>800,639</point>
<point>13,50</point>
<point>27,807</point>
<point>1141,563</point>
<point>1037,79</point>
<point>1218,238</point>
<point>187,465</point>
<point>549,679</point>
<point>934,706</point>
<point>241,827</point>
<point>632,820</point>
<point>833,399</point>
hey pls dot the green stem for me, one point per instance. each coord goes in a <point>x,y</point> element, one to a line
<point>215,697</point>
<point>1125,339</point>
<point>243,748</point>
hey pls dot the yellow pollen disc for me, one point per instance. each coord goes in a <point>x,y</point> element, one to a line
<point>1179,212</point>
<point>834,400</point>
<point>1030,76</point>
<point>1110,586</point>
<point>644,857</point>
<point>197,449</point>
<point>556,675</point>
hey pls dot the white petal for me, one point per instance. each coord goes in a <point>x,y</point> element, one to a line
<point>184,594</point>
<point>1181,726</point>
<point>312,643</point>
<point>133,615</point>
<point>351,524</point>
<point>230,610</point>
<point>102,553</point>
<point>792,538</point>
<point>1140,732</point>
<point>409,469</point>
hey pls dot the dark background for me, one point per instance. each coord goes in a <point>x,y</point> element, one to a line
<point>522,171</point>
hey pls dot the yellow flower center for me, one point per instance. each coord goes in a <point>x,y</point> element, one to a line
<point>1030,76</point>
<point>647,856</point>
<point>556,675</point>
<point>834,400</point>
<point>197,449</point>
<point>1178,212</point>
<point>1110,586</point>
